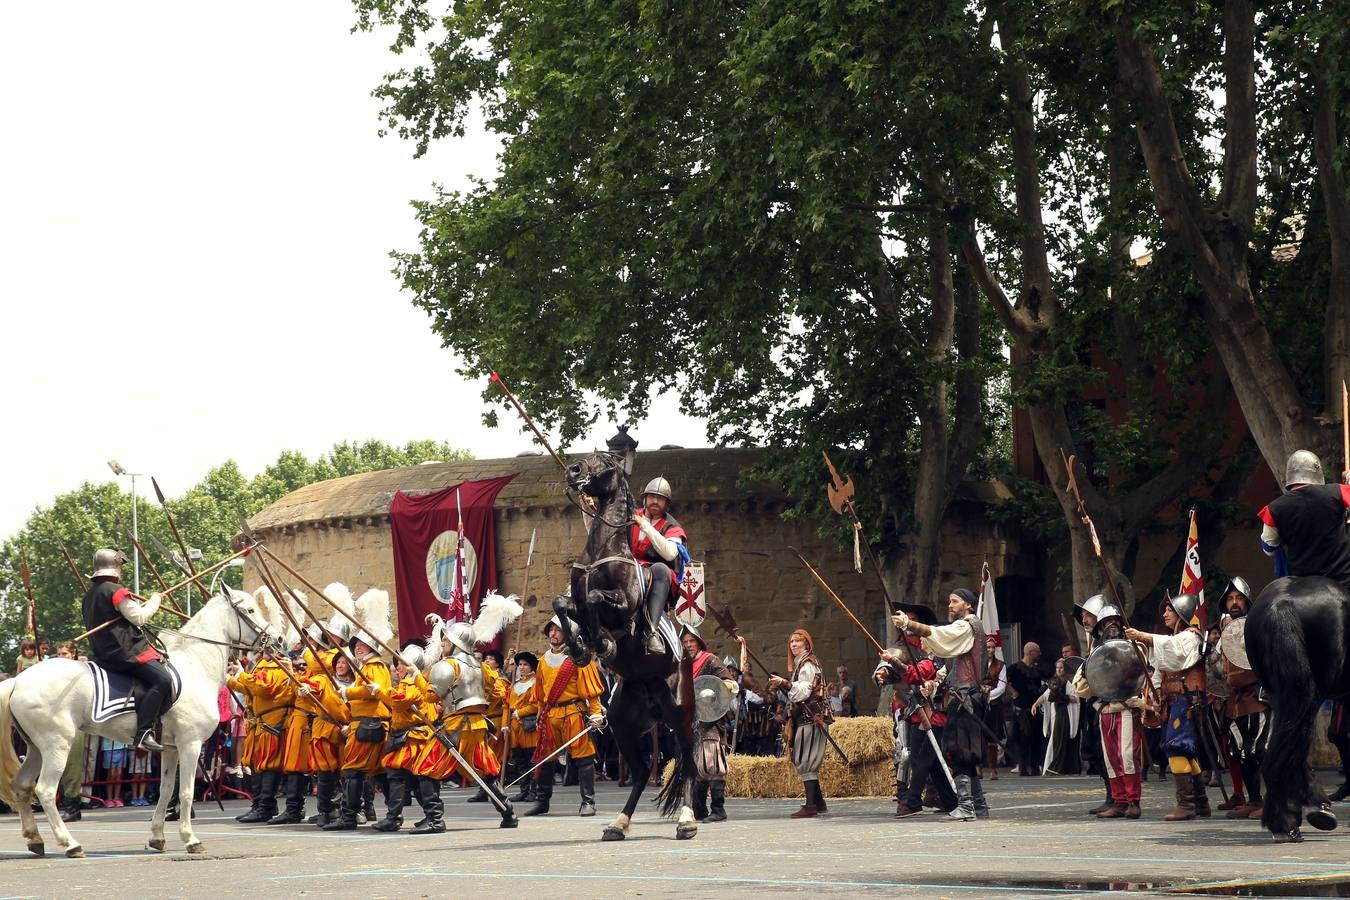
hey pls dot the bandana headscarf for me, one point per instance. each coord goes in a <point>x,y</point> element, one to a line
<point>967,595</point>
<point>809,653</point>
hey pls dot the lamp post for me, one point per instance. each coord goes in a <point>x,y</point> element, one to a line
<point>193,554</point>
<point>135,522</point>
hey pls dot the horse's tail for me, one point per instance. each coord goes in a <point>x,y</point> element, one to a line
<point>1294,699</point>
<point>674,789</point>
<point>9,758</point>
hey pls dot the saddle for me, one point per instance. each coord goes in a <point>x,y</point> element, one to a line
<point>116,693</point>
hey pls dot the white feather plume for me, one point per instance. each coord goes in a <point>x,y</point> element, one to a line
<point>494,614</point>
<point>340,598</point>
<point>270,608</point>
<point>372,611</point>
<point>435,649</point>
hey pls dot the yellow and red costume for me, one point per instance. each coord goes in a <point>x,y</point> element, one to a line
<point>471,723</point>
<point>567,696</point>
<point>521,703</point>
<point>364,702</point>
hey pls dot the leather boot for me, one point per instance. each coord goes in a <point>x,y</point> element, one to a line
<point>353,791</point>
<point>700,801</point>
<point>1106,803</point>
<point>70,809</point>
<point>396,786</point>
<point>1200,797</point>
<point>368,795</point>
<point>718,813</point>
<point>526,792</point>
<point>808,810</point>
<point>965,801</point>
<point>1132,811</point>
<point>543,790</point>
<point>977,795</point>
<point>327,786</point>
<point>586,782</point>
<point>1185,803</point>
<point>267,800</point>
<point>480,797</point>
<point>1341,792</point>
<point>295,801</point>
<point>255,796</point>
<point>429,792</point>
<point>1233,802</point>
<point>1114,811</point>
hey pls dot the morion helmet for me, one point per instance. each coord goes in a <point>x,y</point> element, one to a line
<point>1303,467</point>
<point>658,486</point>
<point>1185,605</point>
<point>1093,605</point>
<point>108,562</point>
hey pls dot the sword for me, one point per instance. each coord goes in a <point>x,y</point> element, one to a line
<point>579,735</point>
<point>1216,749</point>
<point>439,731</point>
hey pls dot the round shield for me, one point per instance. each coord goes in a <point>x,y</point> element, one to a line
<point>712,698</point>
<point>1114,671</point>
<point>1233,643</point>
<point>1072,664</point>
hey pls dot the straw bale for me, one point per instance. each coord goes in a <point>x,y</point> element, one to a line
<point>869,744</point>
<point>864,739</point>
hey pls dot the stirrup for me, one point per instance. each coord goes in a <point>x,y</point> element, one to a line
<point>148,742</point>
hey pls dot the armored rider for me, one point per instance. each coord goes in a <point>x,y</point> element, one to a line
<point>1179,671</point>
<point>710,738</point>
<point>1308,522</point>
<point>122,646</point>
<point>658,543</point>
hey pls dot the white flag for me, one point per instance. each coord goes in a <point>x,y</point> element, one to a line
<point>988,614</point>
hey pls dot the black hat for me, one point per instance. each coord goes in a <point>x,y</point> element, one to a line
<point>919,612</point>
<point>527,656</point>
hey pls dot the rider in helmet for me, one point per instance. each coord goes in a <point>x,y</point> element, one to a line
<point>658,543</point>
<point>122,647</point>
<point>1308,521</point>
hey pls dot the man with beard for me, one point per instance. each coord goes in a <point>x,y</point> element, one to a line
<point>658,543</point>
<point>710,738</point>
<point>569,701</point>
<point>1243,712</point>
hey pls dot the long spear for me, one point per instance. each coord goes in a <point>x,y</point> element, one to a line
<point>25,574</point>
<point>1345,434</point>
<point>525,591</point>
<point>841,498</point>
<point>501,383</point>
<point>187,558</point>
<point>154,571</point>
<point>74,569</point>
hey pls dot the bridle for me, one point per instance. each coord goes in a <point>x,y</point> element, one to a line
<point>580,487</point>
<point>259,631</point>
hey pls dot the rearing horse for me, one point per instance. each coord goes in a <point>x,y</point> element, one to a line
<point>1298,642</point>
<point>603,615</point>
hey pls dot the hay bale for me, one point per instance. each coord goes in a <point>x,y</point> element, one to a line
<point>867,740</point>
<point>864,739</point>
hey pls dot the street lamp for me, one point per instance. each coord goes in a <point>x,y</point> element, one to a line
<point>195,555</point>
<point>135,523</point>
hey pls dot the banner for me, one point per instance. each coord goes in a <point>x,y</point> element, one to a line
<point>988,614</point>
<point>1192,581</point>
<point>445,552</point>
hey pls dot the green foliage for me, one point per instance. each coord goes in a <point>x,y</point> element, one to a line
<point>100,515</point>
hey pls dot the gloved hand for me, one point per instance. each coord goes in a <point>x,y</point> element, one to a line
<point>900,620</point>
<point>597,720</point>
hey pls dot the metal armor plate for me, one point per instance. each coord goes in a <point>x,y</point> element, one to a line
<point>1114,671</point>
<point>1233,643</point>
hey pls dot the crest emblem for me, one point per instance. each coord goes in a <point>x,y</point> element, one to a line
<point>692,606</point>
<point>442,561</point>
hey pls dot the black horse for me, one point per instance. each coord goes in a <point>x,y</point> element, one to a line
<point>1297,634</point>
<point>604,616</point>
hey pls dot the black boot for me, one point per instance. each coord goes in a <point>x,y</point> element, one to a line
<point>267,800</point>
<point>480,797</point>
<point>70,809</point>
<point>295,801</point>
<point>526,792</point>
<point>718,813</point>
<point>255,796</point>
<point>586,781</point>
<point>396,786</point>
<point>429,791</point>
<point>353,791</point>
<point>368,795</point>
<point>1105,804</point>
<point>543,790</point>
<point>327,787</point>
<point>820,799</point>
<point>700,800</point>
<point>508,812</point>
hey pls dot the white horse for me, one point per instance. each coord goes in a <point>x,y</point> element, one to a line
<point>52,701</point>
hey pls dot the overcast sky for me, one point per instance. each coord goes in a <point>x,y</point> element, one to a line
<point>195,223</point>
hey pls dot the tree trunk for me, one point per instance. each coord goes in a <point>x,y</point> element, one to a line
<point>1336,199</point>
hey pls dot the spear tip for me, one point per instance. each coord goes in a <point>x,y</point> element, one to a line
<point>158,492</point>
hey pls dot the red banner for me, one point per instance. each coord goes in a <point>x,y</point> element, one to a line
<point>432,565</point>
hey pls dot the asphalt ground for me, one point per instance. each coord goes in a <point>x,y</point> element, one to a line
<point>1037,843</point>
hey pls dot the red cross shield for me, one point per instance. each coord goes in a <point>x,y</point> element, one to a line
<point>691,607</point>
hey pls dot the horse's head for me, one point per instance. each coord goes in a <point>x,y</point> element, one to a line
<point>601,475</point>
<point>255,620</point>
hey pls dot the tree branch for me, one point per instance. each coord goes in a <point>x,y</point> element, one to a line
<point>1238,198</point>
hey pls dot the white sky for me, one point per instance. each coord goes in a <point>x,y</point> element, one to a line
<point>195,220</point>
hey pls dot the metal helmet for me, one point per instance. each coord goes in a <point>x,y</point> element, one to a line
<point>365,638</point>
<point>686,628</point>
<point>108,562</point>
<point>731,663</point>
<point>315,632</point>
<point>1115,671</point>
<point>1240,585</point>
<point>553,621</point>
<point>712,698</point>
<point>414,653</point>
<point>340,628</point>
<point>1091,605</point>
<point>461,635</point>
<point>1185,605</point>
<point>443,677</point>
<point>658,486</point>
<point>1107,612</point>
<point>1303,467</point>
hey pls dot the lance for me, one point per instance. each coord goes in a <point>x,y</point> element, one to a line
<point>501,383</point>
<point>1072,488</point>
<point>525,591</point>
<point>74,570</point>
<point>175,587</point>
<point>923,708</point>
<point>726,621</point>
<point>25,574</point>
<point>187,559</point>
<point>148,562</point>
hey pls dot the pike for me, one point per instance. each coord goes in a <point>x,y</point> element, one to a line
<point>525,591</point>
<point>1345,434</point>
<point>498,380</point>
<point>187,559</point>
<point>74,570</point>
<point>148,562</point>
<point>841,498</point>
<point>923,707</point>
<point>175,587</point>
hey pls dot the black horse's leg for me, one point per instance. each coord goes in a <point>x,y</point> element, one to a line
<point>577,647</point>
<point>677,793</point>
<point>629,728</point>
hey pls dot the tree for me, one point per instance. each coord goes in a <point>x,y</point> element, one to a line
<point>99,515</point>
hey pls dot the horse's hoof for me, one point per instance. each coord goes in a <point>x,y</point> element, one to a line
<point>196,848</point>
<point>157,845</point>
<point>76,852</point>
<point>37,848</point>
<point>1322,818</point>
<point>1292,836</point>
<point>510,822</point>
<point>612,834</point>
<point>685,832</point>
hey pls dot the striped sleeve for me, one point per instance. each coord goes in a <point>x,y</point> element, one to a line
<point>1270,535</point>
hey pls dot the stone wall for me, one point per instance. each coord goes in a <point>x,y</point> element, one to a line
<point>339,531</point>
